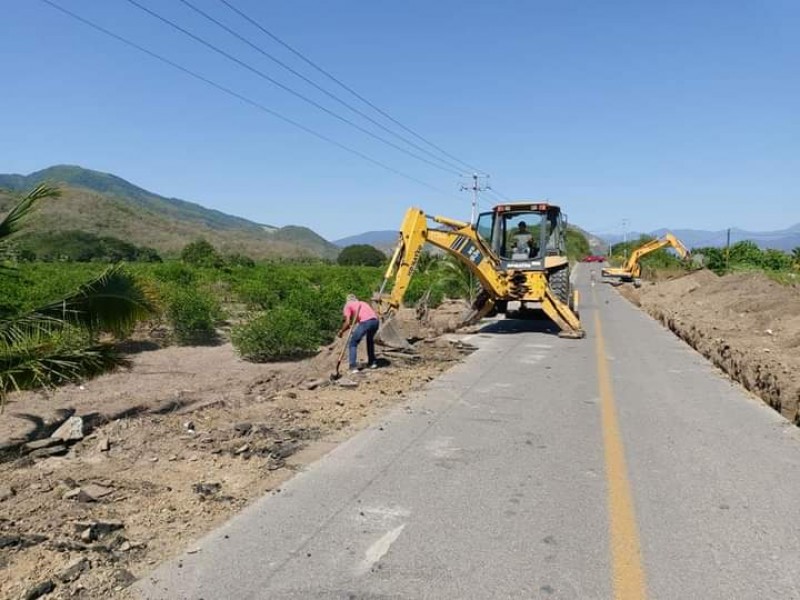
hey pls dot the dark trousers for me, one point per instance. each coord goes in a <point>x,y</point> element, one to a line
<point>365,328</point>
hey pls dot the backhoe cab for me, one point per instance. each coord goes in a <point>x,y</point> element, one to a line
<point>517,252</point>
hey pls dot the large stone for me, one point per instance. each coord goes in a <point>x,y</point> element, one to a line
<point>74,570</point>
<point>70,431</point>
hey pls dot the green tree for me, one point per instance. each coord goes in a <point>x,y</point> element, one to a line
<point>201,253</point>
<point>577,245</point>
<point>796,255</point>
<point>58,342</point>
<point>361,255</point>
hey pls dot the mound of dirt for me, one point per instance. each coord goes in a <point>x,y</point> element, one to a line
<point>747,324</point>
<point>157,455</point>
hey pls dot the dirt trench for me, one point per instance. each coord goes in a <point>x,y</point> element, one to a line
<point>746,324</point>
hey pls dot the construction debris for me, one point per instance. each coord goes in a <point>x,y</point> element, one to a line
<point>70,431</point>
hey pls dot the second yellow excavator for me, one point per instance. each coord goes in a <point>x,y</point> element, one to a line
<point>517,252</point>
<point>632,269</point>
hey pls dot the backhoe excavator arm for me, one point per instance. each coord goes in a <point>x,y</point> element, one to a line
<point>633,268</point>
<point>457,238</point>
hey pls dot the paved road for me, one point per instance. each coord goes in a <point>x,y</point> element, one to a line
<point>620,466</point>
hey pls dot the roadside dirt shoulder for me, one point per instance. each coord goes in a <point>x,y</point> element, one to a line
<point>746,324</point>
<point>159,454</point>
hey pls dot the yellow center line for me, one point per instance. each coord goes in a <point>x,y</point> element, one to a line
<point>626,556</point>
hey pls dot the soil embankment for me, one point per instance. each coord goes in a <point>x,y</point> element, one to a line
<point>746,324</point>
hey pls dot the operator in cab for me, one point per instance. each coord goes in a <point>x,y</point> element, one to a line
<point>522,242</point>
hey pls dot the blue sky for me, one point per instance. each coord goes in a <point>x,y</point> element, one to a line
<point>668,114</point>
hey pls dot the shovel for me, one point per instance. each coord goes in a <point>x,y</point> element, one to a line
<point>336,374</point>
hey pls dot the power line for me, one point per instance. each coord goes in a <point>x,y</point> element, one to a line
<point>339,82</point>
<point>239,96</point>
<point>286,87</point>
<point>318,87</point>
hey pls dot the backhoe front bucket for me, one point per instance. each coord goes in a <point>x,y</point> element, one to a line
<point>390,335</point>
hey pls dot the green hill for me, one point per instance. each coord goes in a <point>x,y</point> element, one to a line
<point>108,205</point>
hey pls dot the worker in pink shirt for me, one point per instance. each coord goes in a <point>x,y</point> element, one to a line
<point>361,313</point>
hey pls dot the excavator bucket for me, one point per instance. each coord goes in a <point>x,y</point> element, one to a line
<point>390,335</point>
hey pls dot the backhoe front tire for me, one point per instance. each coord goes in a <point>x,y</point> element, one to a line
<point>559,283</point>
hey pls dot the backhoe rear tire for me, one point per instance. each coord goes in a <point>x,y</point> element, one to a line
<point>559,283</point>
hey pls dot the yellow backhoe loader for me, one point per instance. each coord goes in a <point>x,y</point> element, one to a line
<point>517,252</point>
<point>632,269</point>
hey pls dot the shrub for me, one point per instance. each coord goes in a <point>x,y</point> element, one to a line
<point>361,255</point>
<point>282,333</point>
<point>174,272</point>
<point>201,254</point>
<point>192,315</point>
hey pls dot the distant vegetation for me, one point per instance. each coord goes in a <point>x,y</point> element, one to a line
<point>362,255</point>
<point>80,246</point>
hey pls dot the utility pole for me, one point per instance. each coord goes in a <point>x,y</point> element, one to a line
<point>728,252</point>
<point>476,188</point>
<point>625,239</point>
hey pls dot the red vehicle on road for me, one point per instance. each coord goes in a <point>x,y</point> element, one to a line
<point>594,258</point>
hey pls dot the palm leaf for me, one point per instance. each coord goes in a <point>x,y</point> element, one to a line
<point>114,301</point>
<point>42,361</point>
<point>14,219</point>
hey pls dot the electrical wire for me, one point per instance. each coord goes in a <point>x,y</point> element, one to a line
<point>284,87</point>
<point>240,97</point>
<point>344,86</point>
<point>316,86</point>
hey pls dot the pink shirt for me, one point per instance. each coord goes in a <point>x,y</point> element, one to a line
<point>365,312</point>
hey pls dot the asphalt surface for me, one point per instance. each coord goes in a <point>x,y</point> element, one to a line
<point>619,466</point>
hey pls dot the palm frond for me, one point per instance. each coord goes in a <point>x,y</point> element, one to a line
<point>42,363</point>
<point>114,301</point>
<point>14,219</point>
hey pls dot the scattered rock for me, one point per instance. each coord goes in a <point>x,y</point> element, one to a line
<point>78,495</point>
<point>6,493</point>
<point>291,395</point>
<point>125,546</point>
<point>39,590</point>
<point>314,384</point>
<point>273,464</point>
<point>284,449</point>
<point>58,450</point>
<point>189,426</point>
<point>96,492</point>
<point>94,530</point>
<point>242,449</point>
<point>40,444</point>
<point>206,490</point>
<point>21,541</point>
<point>243,428</point>
<point>104,445</point>
<point>70,431</point>
<point>74,570</point>
<point>123,577</point>
<point>347,383</point>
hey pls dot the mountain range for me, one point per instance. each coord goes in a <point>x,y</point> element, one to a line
<point>782,239</point>
<point>108,205</point>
